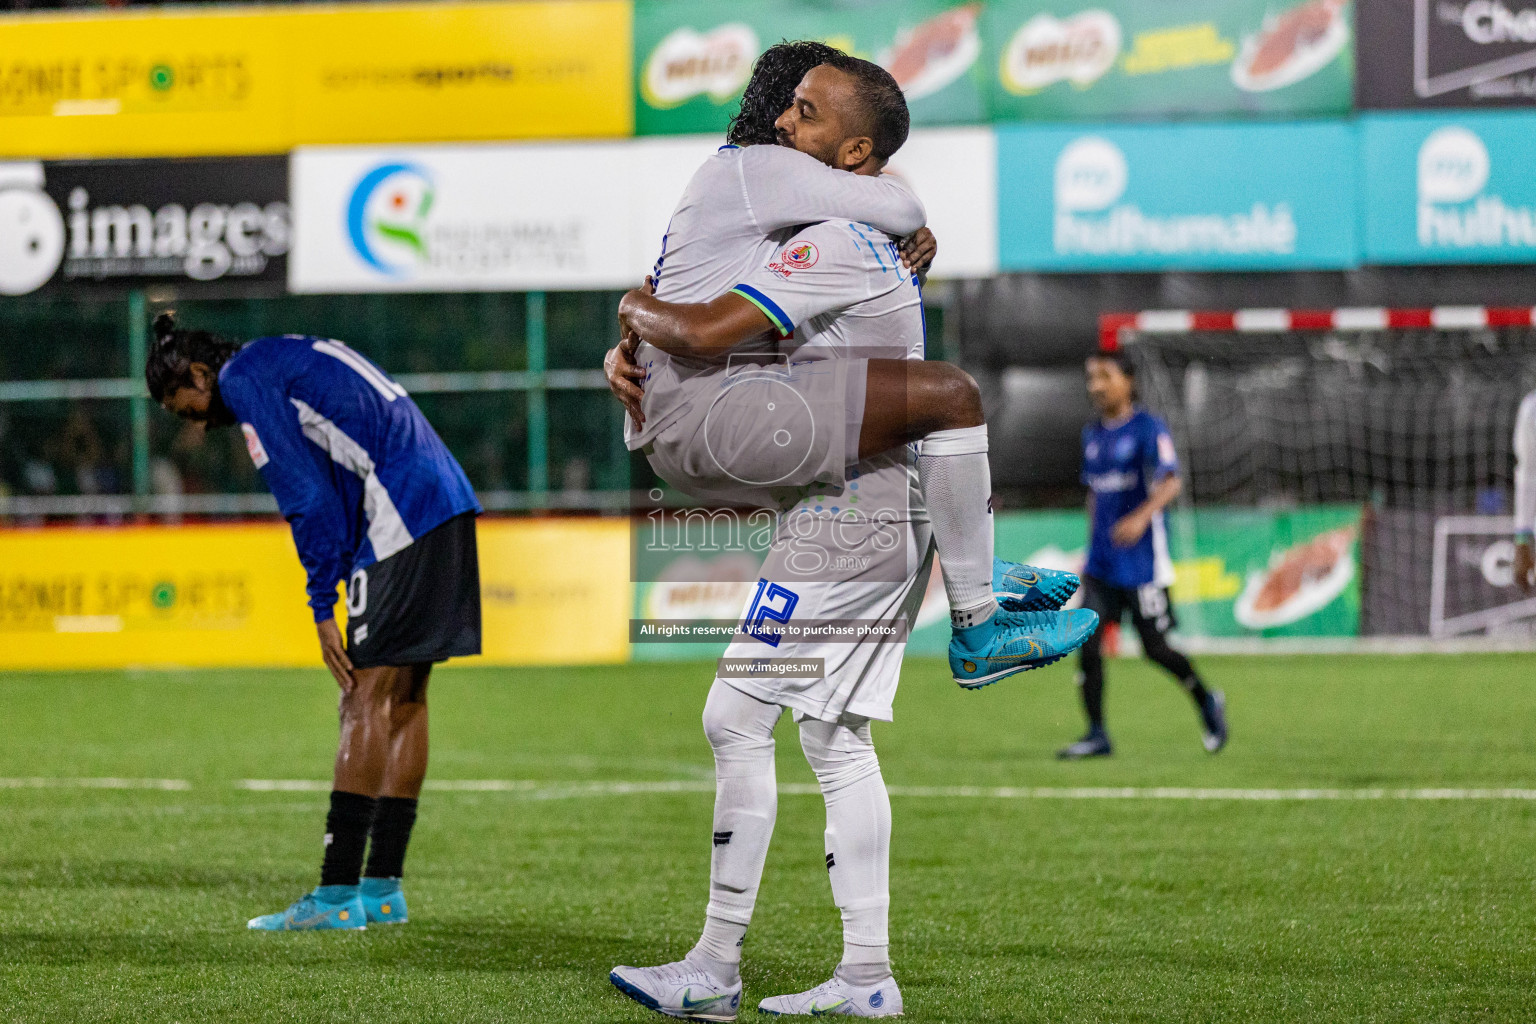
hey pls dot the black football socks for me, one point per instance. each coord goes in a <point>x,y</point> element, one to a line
<point>392,824</point>
<point>346,837</point>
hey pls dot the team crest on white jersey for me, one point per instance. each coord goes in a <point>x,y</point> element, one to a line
<point>799,255</point>
<point>254,446</point>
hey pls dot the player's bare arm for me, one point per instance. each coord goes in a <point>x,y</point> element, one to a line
<point>692,328</point>
<point>625,376</point>
<point>1131,526</point>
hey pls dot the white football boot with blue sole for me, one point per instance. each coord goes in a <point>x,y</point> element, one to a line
<point>1029,588</point>
<point>838,998</point>
<point>1013,642</point>
<point>679,990</point>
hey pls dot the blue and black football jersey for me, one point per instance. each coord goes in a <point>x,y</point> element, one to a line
<point>357,470</point>
<point>1121,463</point>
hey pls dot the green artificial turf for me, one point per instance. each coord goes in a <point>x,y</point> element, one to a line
<point>130,905</point>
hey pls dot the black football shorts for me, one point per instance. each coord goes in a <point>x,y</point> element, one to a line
<point>1149,605</point>
<point>419,605</point>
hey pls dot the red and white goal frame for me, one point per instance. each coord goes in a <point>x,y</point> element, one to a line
<point>1270,321</point>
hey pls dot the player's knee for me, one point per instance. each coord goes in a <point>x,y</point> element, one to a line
<point>738,739</point>
<point>840,757</point>
<point>957,398</point>
<point>371,693</point>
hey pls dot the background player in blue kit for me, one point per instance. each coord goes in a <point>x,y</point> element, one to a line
<point>1131,471</point>
<point>374,498</point>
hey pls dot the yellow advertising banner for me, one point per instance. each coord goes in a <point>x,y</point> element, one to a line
<point>234,596</point>
<point>244,80</point>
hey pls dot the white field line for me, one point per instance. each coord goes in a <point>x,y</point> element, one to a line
<point>107,783</point>
<point>559,790</point>
<point>545,790</point>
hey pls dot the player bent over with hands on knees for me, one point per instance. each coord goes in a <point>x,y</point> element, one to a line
<point>1131,470</point>
<point>374,498</point>
<point>869,303</point>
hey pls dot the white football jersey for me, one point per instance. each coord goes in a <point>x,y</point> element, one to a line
<point>722,229</point>
<point>838,289</point>
<point>1525,464</point>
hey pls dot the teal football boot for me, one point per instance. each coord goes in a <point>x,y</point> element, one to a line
<point>1029,588</point>
<point>328,907</point>
<point>1013,642</point>
<point>384,901</point>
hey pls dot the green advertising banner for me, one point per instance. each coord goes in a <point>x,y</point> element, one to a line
<point>1239,573</point>
<point>1079,60</point>
<point>1266,573</point>
<point>693,57</point>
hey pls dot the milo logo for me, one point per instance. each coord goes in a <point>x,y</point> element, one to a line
<point>1046,50</point>
<point>688,63</point>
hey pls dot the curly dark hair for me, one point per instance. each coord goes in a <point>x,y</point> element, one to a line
<point>772,88</point>
<point>174,350</point>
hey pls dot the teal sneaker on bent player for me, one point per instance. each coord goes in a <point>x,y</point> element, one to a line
<point>328,907</point>
<point>838,998</point>
<point>1013,642</point>
<point>680,990</point>
<point>384,901</point>
<point>1029,588</point>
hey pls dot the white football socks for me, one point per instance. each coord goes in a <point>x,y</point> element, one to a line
<point>858,841</point>
<point>957,488</point>
<point>740,729</point>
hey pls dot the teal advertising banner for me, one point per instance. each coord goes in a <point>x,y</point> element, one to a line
<point>1191,197</point>
<point>1449,188</point>
<point>693,57</point>
<point>1083,60</point>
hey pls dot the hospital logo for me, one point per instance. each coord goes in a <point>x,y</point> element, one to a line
<point>387,217</point>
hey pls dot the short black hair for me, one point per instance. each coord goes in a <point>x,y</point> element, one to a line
<point>885,108</point>
<point>1120,357</point>
<point>771,89</point>
<point>174,350</point>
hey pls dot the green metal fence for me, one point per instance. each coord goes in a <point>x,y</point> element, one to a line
<point>511,381</point>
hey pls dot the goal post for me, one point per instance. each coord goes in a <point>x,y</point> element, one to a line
<point>1369,448</point>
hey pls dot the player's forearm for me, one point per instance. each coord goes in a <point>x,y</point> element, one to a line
<point>1162,495</point>
<point>690,329</point>
<point>787,188</point>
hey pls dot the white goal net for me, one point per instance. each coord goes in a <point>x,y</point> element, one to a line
<point>1405,415</point>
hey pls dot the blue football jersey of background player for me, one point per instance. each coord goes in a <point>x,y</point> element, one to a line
<point>1121,463</point>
